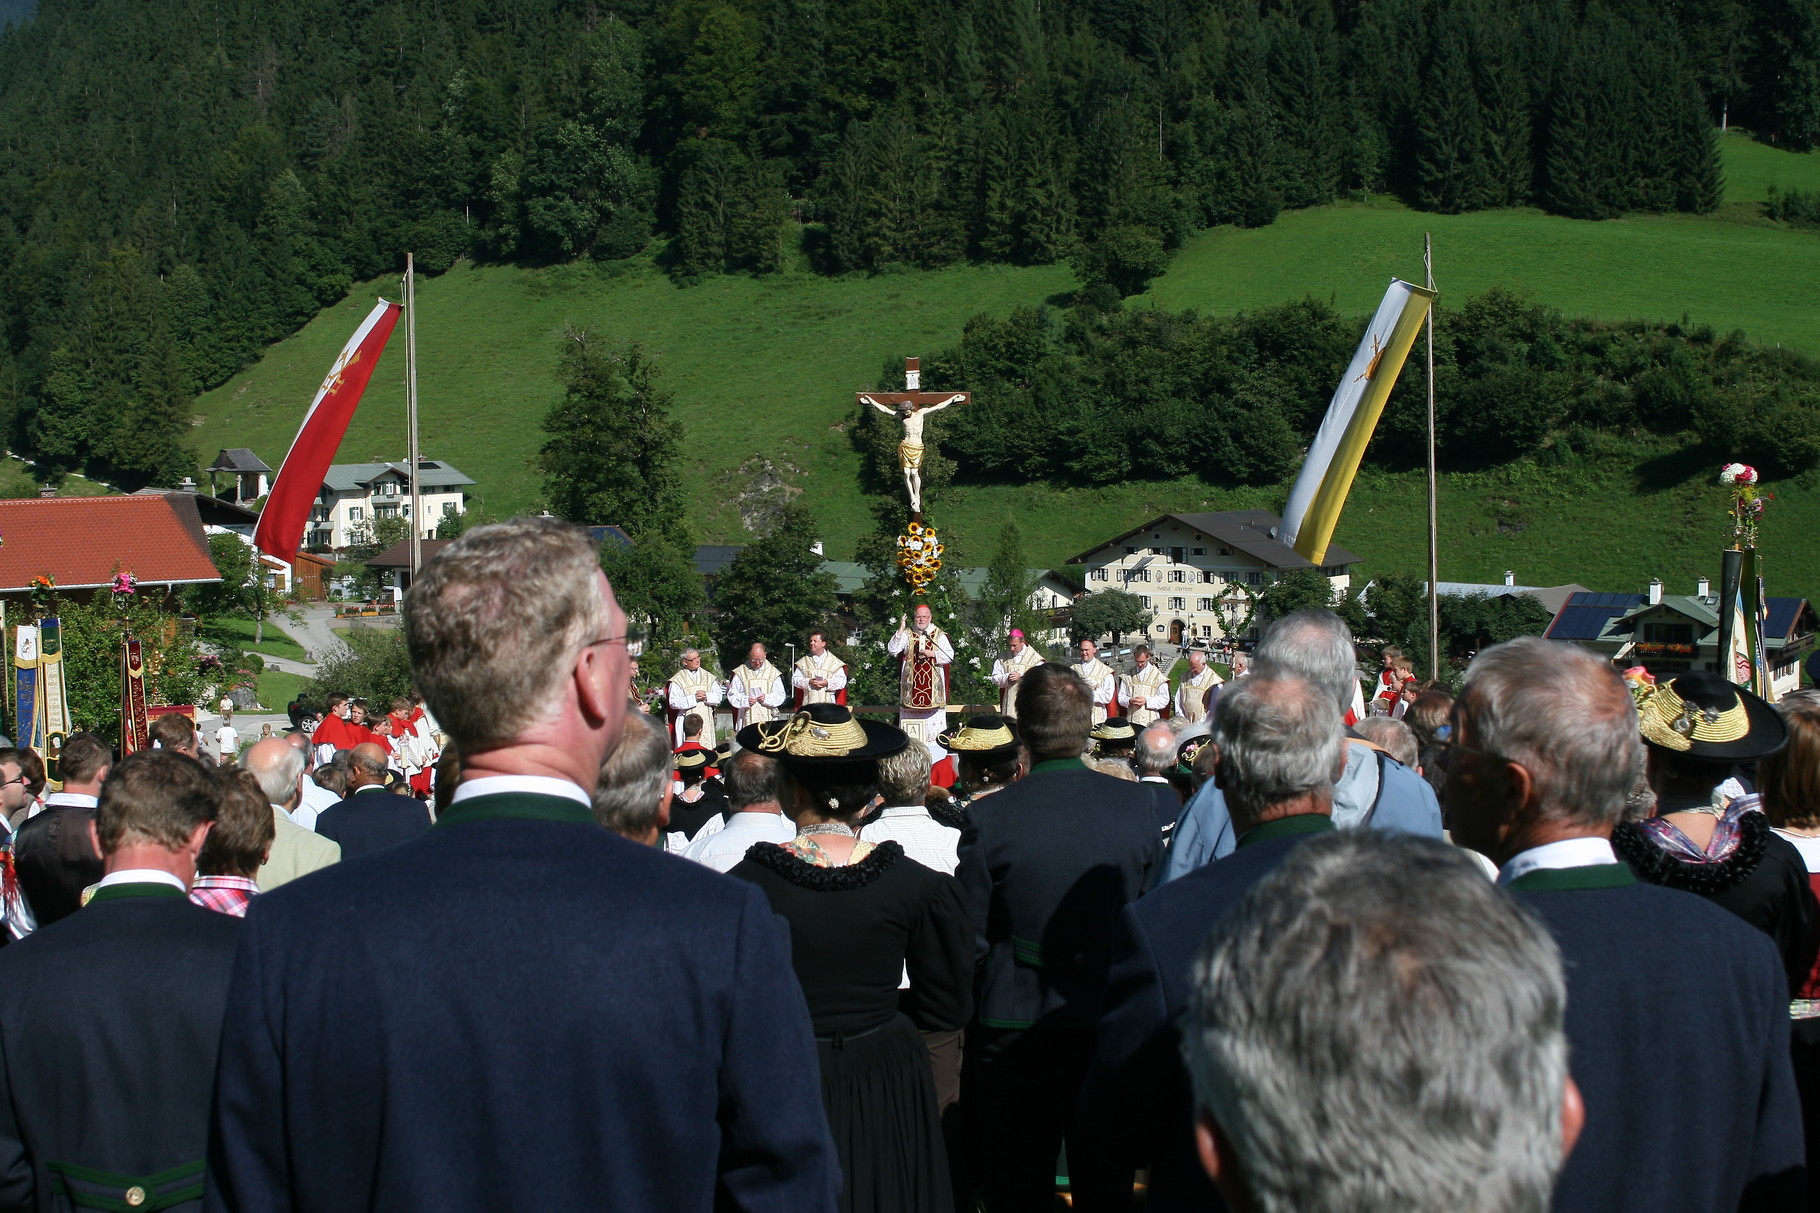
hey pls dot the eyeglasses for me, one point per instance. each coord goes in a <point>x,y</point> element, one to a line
<point>1445,746</point>
<point>633,635</point>
<point>7,783</point>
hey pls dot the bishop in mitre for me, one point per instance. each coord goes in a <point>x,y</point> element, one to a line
<point>755,691</point>
<point>1008,671</point>
<point>821,677</point>
<point>1145,691</point>
<point>693,691</point>
<point>1191,695</point>
<point>1100,679</point>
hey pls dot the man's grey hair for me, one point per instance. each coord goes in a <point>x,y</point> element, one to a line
<point>495,621</point>
<point>633,778</point>
<point>1564,716</point>
<point>1314,644</point>
<point>1392,736</point>
<point>688,653</point>
<point>903,777</point>
<point>751,778</point>
<point>1278,739</point>
<point>278,774</point>
<point>1378,1028</point>
<point>1155,752</point>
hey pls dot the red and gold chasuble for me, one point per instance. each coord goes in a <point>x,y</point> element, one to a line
<point>923,677</point>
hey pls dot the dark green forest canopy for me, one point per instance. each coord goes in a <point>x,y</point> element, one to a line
<point>1082,397</point>
<point>183,183</point>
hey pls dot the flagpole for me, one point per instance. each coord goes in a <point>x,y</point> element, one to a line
<point>1434,560</point>
<point>410,407</point>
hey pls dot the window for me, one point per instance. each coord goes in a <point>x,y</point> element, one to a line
<point>1225,551</point>
<point>405,509</point>
<point>1254,579</point>
<point>1200,551</point>
<point>1206,629</point>
<point>1210,577</point>
<point>1156,551</point>
<point>1145,599</point>
<point>1668,633</point>
<point>1099,575</point>
<point>1206,604</point>
<point>355,513</point>
<point>385,511</point>
<point>1137,575</point>
<point>448,508</point>
<point>388,488</point>
<point>1177,604</point>
<point>1178,575</point>
<point>1130,551</point>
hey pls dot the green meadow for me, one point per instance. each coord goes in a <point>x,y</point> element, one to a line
<point>766,369</point>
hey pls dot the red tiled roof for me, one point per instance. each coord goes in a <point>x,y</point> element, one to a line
<point>83,541</point>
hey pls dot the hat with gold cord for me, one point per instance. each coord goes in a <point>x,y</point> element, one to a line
<point>823,733</point>
<point>1705,717</point>
<point>984,739</point>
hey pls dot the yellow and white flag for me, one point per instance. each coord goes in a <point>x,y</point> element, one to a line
<point>1333,458</point>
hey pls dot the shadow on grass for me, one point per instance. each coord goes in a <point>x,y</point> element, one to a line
<point>1675,468</point>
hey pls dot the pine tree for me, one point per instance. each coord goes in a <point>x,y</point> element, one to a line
<point>1450,165</point>
<point>611,456</point>
<point>775,590</point>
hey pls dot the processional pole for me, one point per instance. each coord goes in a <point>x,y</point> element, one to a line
<point>1434,561</point>
<point>415,526</point>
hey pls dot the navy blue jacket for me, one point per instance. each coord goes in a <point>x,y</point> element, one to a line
<point>1375,790</point>
<point>1137,1104</point>
<point>1678,1030</point>
<point>1165,803</point>
<point>518,1010</point>
<point>1046,865</point>
<point>371,820</point>
<point>109,1024</point>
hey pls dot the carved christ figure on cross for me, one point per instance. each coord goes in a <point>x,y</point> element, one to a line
<point>909,407</point>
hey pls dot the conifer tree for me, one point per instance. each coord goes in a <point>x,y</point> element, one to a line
<point>611,455</point>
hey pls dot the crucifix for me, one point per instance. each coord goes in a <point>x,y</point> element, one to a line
<point>909,407</point>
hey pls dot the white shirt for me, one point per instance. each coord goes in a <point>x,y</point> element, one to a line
<point>725,847</point>
<point>1567,853</point>
<point>532,785</point>
<point>74,800</point>
<point>923,838</point>
<point>316,798</point>
<point>140,876</point>
<point>227,741</point>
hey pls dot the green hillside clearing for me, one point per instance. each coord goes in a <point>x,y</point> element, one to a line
<point>765,368</point>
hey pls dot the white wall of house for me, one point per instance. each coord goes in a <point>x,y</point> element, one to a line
<point>1188,578</point>
<point>335,522</point>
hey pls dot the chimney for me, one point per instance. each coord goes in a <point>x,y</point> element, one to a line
<point>816,547</point>
<point>49,490</point>
<point>1655,591</point>
<point>186,485</point>
<point>1510,577</point>
<point>1706,587</point>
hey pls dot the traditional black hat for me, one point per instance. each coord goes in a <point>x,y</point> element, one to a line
<point>1115,733</point>
<point>1703,716</point>
<point>823,733</point>
<point>692,759</point>
<point>984,739</point>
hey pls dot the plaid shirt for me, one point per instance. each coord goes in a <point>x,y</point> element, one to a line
<point>226,894</point>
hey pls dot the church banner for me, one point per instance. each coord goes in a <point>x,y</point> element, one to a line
<point>134,724</point>
<point>53,700</point>
<point>28,720</point>
<point>299,483</point>
<point>1333,458</point>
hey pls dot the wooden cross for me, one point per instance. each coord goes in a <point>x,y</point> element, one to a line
<point>909,407</point>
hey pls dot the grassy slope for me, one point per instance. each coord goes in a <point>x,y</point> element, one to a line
<point>767,368</point>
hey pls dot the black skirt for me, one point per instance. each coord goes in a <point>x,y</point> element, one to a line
<point>881,1106</point>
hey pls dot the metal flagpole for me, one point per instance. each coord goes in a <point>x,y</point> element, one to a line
<point>1434,561</point>
<point>415,527</point>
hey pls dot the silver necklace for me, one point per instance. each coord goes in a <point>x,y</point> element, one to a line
<point>832,827</point>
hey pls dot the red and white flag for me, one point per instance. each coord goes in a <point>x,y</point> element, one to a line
<point>299,483</point>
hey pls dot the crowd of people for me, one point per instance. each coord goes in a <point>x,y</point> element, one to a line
<point>1548,944</point>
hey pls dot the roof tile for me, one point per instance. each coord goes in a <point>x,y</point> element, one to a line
<point>83,541</point>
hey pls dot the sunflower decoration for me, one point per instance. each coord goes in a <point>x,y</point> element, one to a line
<point>42,587</point>
<point>919,554</point>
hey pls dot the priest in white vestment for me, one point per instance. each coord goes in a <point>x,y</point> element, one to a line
<point>1145,691</point>
<point>821,677</point>
<point>1100,679</point>
<point>693,691</point>
<point>1010,669</point>
<point>755,691</point>
<point>1191,695</point>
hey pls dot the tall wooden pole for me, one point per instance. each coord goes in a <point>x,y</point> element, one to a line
<point>1434,556</point>
<point>415,526</point>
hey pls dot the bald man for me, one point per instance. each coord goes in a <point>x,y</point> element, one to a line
<point>371,818</point>
<point>316,799</point>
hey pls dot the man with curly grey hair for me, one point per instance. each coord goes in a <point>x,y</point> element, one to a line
<point>1377,1029</point>
<point>465,1020</point>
